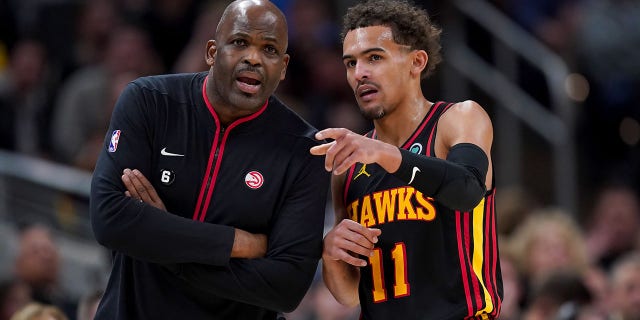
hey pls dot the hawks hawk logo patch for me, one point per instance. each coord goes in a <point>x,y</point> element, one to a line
<point>254,179</point>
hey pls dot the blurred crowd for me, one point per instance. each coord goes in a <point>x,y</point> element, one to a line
<point>64,62</point>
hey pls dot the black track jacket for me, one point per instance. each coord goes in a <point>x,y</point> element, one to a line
<point>256,174</point>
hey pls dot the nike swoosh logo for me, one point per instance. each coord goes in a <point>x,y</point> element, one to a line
<point>169,154</point>
<point>413,174</point>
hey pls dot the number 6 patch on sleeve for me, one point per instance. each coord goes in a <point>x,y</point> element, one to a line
<point>167,177</point>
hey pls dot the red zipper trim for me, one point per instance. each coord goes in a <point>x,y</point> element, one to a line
<point>201,213</point>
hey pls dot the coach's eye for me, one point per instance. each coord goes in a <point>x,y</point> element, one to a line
<point>239,42</point>
<point>271,50</point>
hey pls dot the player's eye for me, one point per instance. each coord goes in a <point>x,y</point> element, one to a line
<point>349,63</point>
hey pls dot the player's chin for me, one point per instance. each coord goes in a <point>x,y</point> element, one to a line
<point>372,113</point>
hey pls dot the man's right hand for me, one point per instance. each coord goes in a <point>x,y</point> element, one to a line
<point>348,240</point>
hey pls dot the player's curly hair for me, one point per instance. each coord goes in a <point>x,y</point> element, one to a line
<point>411,26</point>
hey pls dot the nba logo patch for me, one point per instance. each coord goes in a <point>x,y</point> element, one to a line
<point>113,144</point>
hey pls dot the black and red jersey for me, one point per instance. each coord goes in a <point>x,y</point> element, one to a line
<point>430,262</point>
<point>255,174</point>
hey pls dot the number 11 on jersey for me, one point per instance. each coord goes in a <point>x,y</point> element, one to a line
<point>401,286</point>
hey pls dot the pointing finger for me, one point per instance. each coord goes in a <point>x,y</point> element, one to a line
<point>331,133</point>
<point>321,150</point>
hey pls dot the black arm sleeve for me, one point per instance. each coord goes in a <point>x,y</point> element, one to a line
<point>280,280</point>
<point>457,182</point>
<point>136,229</point>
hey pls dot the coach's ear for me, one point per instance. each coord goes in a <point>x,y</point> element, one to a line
<point>210,55</point>
<point>285,60</point>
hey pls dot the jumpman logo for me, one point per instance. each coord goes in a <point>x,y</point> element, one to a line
<point>362,171</point>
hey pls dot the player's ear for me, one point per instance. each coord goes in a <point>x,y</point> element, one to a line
<point>419,61</point>
<point>210,54</point>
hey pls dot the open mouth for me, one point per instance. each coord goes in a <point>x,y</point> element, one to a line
<point>367,92</point>
<point>248,85</point>
<point>249,81</point>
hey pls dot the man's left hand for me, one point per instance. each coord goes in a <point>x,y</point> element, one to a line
<point>138,187</point>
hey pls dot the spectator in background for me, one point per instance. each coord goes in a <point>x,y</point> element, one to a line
<point>95,23</point>
<point>38,264</point>
<point>550,254</point>
<point>86,99</point>
<point>614,226</point>
<point>37,311</point>
<point>87,154</point>
<point>190,58</point>
<point>625,287</point>
<point>548,241</point>
<point>560,296</point>
<point>171,21</point>
<point>25,100</point>
<point>14,295</point>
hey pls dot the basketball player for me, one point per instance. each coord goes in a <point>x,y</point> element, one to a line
<point>415,233</point>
